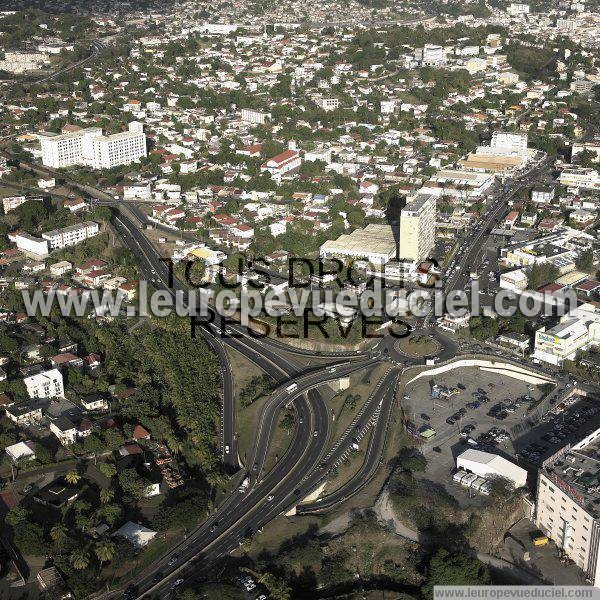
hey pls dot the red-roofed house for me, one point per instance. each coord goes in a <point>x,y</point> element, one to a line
<point>140,433</point>
<point>282,163</point>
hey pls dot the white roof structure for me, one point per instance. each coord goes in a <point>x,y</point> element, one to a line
<point>137,534</point>
<point>485,464</point>
<point>19,451</point>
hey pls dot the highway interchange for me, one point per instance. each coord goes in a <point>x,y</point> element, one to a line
<point>311,453</point>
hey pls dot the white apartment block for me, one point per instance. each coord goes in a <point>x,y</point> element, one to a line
<point>68,149</point>
<point>577,330</point>
<point>417,228</point>
<point>580,178</point>
<point>515,9</point>
<point>431,55</point>
<point>249,115</point>
<point>72,235</point>
<point>120,148</point>
<point>91,148</point>
<point>46,384</point>
<point>509,143</point>
<point>567,501</point>
<point>11,202</point>
<point>327,104</point>
<point>32,246</point>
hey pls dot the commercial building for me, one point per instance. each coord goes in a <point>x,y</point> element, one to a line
<point>374,243</point>
<point>45,384</point>
<point>417,229</point>
<point>91,148</point>
<point>577,330</point>
<point>490,466</point>
<point>72,235</point>
<point>466,186</point>
<point>516,280</point>
<point>568,496</point>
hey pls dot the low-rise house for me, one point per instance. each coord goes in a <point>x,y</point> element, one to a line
<point>60,268</point>
<point>94,402</point>
<point>65,430</point>
<point>21,451</point>
<point>135,533</point>
<point>67,359</point>
<point>25,413</point>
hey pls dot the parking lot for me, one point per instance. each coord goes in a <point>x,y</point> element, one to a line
<point>487,411</point>
<point>470,408</point>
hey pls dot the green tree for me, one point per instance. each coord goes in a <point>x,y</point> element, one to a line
<point>585,261</point>
<point>80,559</point>
<point>447,568</point>
<point>107,469</point>
<point>72,477</point>
<point>104,550</point>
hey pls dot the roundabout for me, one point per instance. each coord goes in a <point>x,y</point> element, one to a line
<point>418,346</point>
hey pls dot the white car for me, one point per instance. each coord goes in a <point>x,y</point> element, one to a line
<point>226,448</point>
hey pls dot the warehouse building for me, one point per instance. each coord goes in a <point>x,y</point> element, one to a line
<point>490,466</point>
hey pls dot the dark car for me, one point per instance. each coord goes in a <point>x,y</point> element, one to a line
<point>437,449</point>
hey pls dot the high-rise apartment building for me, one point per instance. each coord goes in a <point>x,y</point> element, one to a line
<point>417,228</point>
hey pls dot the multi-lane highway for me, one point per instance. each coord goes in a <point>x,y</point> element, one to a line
<point>311,453</point>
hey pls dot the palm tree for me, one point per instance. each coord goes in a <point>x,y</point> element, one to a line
<point>80,559</point>
<point>58,533</point>
<point>106,495</point>
<point>105,551</point>
<point>72,477</point>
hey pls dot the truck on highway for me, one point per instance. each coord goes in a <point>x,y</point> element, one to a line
<point>244,485</point>
<point>291,388</point>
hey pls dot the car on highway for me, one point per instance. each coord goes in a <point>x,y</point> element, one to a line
<point>173,560</point>
<point>315,432</point>
<point>226,448</point>
<point>270,498</point>
<point>177,583</point>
